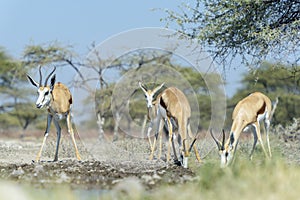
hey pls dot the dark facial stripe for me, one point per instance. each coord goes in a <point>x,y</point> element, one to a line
<point>231,138</point>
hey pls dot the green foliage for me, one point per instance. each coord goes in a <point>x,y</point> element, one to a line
<point>252,29</point>
<point>275,80</point>
<point>16,106</point>
<point>153,68</point>
<point>35,55</point>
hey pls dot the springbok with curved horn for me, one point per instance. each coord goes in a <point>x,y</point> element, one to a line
<point>152,109</point>
<point>249,111</point>
<point>171,104</point>
<point>58,100</point>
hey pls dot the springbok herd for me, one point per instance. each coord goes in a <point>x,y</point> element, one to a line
<point>167,108</point>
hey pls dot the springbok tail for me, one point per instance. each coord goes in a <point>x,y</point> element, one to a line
<point>274,108</point>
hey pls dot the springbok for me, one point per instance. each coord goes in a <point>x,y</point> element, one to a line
<point>152,109</point>
<point>58,100</point>
<point>171,104</point>
<point>249,111</point>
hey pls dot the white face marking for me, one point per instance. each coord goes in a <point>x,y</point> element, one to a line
<point>226,156</point>
<point>43,98</point>
<point>149,99</point>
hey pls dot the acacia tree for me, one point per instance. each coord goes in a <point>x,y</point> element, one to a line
<point>277,81</point>
<point>16,107</point>
<point>253,30</point>
<point>52,53</point>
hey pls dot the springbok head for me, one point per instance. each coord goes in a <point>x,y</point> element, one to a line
<point>225,153</point>
<point>44,91</point>
<point>149,94</point>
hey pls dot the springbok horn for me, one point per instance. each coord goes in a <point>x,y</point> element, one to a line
<point>223,140</point>
<point>142,87</point>
<point>192,144</point>
<point>217,141</point>
<point>49,76</point>
<point>40,67</point>
<point>158,88</point>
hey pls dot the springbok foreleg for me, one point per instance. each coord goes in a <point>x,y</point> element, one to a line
<point>157,122</point>
<point>49,120</point>
<point>58,132</point>
<point>149,134</point>
<point>161,125</point>
<point>71,132</point>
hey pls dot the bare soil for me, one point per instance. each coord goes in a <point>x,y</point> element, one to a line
<point>105,164</point>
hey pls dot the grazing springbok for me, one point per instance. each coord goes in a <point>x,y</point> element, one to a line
<point>171,104</point>
<point>57,98</point>
<point>153,119</point>
<point>249,111</point>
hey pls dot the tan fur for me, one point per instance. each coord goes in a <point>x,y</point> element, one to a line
<point>245,113</point>
<point>61,99</point>
<point>247,110</point>
<point>177,107</point>
<point>58,102</point>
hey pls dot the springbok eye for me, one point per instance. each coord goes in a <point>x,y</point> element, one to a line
<point>46,93</point>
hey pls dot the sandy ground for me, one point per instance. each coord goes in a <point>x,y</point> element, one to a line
<point>105,164</point>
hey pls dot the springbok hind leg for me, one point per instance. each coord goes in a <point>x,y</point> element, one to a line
<point>257,128</point>
<point>58,131</point>
<point>267,128</point>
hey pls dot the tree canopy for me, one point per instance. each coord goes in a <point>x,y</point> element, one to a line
<point>251,29</point>
<point>16,108</point>
<point>276,81</point>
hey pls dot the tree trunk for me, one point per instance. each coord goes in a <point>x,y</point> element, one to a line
<point>100,122</point>
<point>116,128</point>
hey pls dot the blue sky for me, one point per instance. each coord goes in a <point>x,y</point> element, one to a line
<point>79,23</point>
<point>73,22</point>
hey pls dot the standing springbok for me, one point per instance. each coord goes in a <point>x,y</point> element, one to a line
<point>171,103</point>
<point>249,111</point>
<point>58,100</point>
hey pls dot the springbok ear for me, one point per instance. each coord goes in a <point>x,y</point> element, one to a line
<point>33,82</point>
<point>52,82</point>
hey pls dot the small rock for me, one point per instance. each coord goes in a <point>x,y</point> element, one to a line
<point>148,179</point>
<point>156,176</point>
<point>63,178</point>
<point>17,172</point>
<point>38,169</point>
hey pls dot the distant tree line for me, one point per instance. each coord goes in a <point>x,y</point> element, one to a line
<point>17,109</point>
